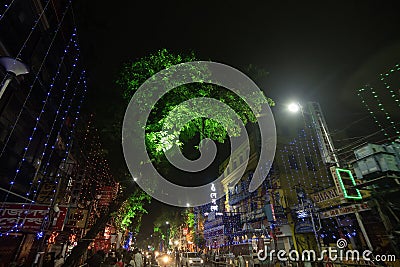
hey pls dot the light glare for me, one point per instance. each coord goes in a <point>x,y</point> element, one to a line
<point>294,107</point>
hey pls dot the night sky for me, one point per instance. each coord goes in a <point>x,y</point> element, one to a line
<point>321,51</point>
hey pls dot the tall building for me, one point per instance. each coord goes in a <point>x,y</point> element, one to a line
<point>39,113</point>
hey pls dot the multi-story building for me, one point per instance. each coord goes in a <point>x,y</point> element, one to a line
<point>289,209</point>
<point>46,182</point>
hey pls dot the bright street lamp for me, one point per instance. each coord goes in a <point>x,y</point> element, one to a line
<point>294,107</point>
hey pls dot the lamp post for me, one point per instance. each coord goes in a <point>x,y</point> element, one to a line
<point>14,68</point>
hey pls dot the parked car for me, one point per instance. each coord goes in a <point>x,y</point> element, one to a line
<point>191,259</point>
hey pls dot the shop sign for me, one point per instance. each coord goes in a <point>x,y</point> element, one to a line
<point>326,197</point>
<point>28,218</point>
<point>345,210</point>
<point>213,196</point>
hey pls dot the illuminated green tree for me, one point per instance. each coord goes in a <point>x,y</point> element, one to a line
<point>158,140</point>
<point>175,220</point>
<point>130,213</point>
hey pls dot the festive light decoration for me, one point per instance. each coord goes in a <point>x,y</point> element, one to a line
<point>45,103</point>
<point>347,181</point>
<point>7,7</point>
<point>36,77</point>
<point>379,102</point>
<point>384,78</point>
<point>69,141</point>
<point>68,145</point>
<point>38,120</point>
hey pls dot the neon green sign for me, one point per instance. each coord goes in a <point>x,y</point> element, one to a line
<point>347,184</point>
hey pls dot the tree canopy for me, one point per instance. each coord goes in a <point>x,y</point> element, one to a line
<point>130,213</point>
<point>158,139</point>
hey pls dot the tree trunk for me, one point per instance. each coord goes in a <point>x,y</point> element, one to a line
<point>79,250</point>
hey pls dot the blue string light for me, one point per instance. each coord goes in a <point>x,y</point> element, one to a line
<point>69,144</point>
<point>62,123</point>
<point>37,121</point>
<point>7,7</point>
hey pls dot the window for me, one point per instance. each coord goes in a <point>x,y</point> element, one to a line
<point>234,165</point>
<point>241,159</point>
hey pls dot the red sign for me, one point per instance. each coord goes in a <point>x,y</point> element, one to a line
<point>26,217</point>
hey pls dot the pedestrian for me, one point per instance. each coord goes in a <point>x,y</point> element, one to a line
<point>109,262</point>
<point>59,261</point>
<point>97,259</point>
<point>126,257</point>
<point>138,258</point>
<point>177,259</point>
<point>119,262</point>
<point>241,261</point>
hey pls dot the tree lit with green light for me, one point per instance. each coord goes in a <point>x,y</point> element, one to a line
<point>160,132</point>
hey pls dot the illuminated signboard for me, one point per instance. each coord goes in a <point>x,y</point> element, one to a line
<point>347,183</point>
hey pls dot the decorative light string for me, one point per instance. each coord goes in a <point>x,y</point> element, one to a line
<point>294,168</point>
<point>26,212</point>
<point>35,79</point>
<point>311,163</point>
<point>372,113</point>
<point>389,87</point>
<point>30,33</point>
<point>288,172</point>
<point>34,131</point>
<point>313,150</point>
<point>62,123</point>
<point>306,181</point>
<point>381,107</point>
<point>7,6</point>
<point>66,154</point>
<point>66,50</point>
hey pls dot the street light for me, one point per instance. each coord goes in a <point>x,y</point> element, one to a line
<point>294,107</point>
<point>14,68</point>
